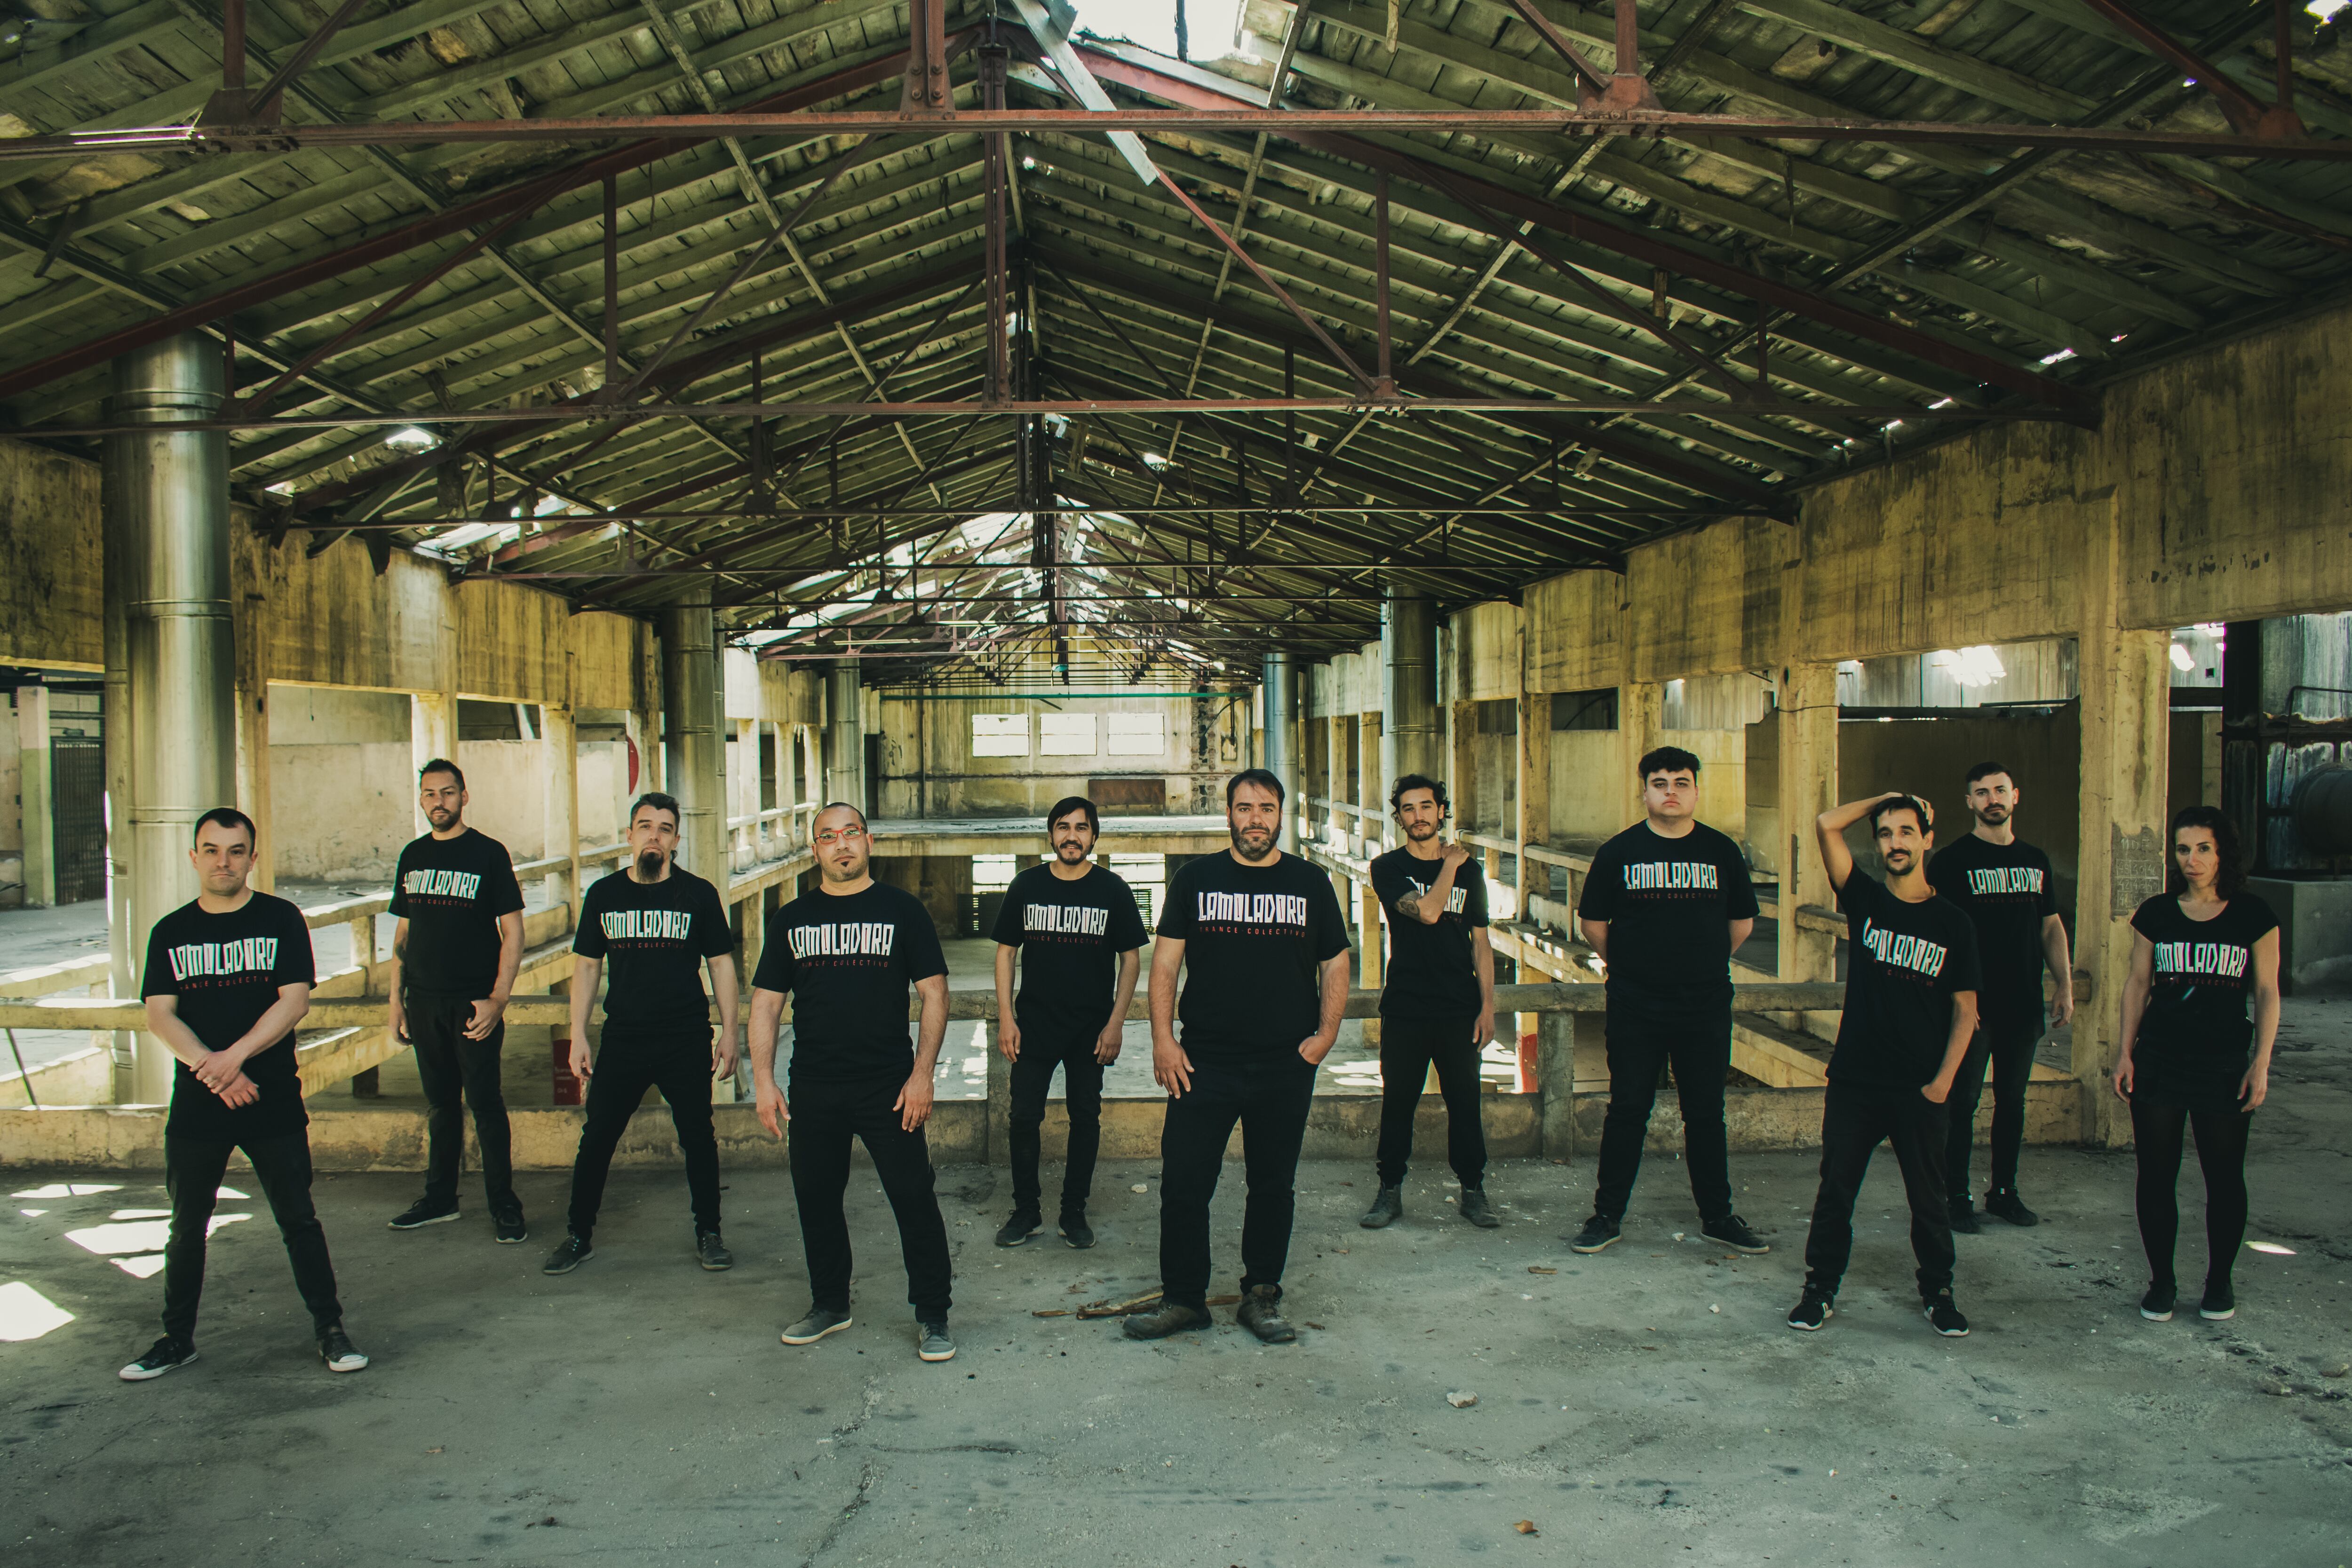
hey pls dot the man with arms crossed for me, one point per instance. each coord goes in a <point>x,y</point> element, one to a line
<point>846,953</point>
<point>2005,887</point>
<point>1073,925</point>
<point>228,978</point>
<point>660,925</point>
<point>1667,904</point>
<point>1910,1011</point>
<point>1437,1005</point>
<point>453,958</point>
<point>1247,928</point>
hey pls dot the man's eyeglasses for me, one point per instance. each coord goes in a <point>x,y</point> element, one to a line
<point>840,836</point>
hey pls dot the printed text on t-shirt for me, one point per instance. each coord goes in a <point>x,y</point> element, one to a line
<point>1986,881</point>
<point>1253,908</point>
<point>648,924</point>
<point>2221,960</point>
<point>1904,952</point>
<point>1659,876</point>
<point>1071,919</point>
<point>864,938</point>
<point>238,958</point>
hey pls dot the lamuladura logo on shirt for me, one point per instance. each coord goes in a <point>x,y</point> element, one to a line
<point>844,939</point>
<point>2205,960</point>
<point>1253,908</point>
<point>245,956</point>
<point>1987,882</point>
<point>649,924</point>
<point>1671,876</point>
<point>441,883</point>
<point>1065,919</point>
<point>1899,951</point>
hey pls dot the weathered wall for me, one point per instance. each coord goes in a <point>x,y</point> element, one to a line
<point>50,563</point>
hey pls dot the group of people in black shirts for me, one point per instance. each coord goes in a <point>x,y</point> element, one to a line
<point>1249,980</point>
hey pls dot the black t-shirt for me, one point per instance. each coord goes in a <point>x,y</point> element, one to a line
<point>2006,890</point>
<point>1252,936</point>
<point>654,937</point>
<point>451,892</point>
<point>1905,962</point>
<point>1669,903</point>
<point>2195,1038</point>
<point>225,970</point>
<point>1431,974</point>
<point>847,960</point>
<point>1070,934</point>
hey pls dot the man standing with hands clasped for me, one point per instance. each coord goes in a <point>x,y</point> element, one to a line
<point>1248,930</point>
<point>453,958</point>
<point>1910,1011</point>
<point>1074,926</point>
<point>846,954</point>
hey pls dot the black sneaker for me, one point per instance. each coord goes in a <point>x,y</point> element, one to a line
<point>818,1322</point>
<point>931,1341</point>
<point>1388,1208</point>
<point>711,1252</point>
<point>2004,1204</point>
<point>1477,1210</point>
<point>1261,1313</point>
<point>2220,1301</point>
<point>2158,1304</point>
<point>1598,1232</point>
<point>424,1211</point>
<point>575,1251</point>
<point>1732,1231</point>
<point>507,1224</point>
<point>1944,1316</point>
<point>1964,1217</point>
<point>1812,1311</point>
<point>162,1356</point>
<point>1025,1223</point>
<point>1168,1319</point>
<point>1075,1228</point>
<point>335,1348</point>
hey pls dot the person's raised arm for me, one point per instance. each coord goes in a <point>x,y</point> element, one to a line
<point>1429,907</point>
<point>914,1104</point>
<point>767,1098</point>
<point>2255,1087</point>
<point>2135,989</point>
<point>724,1051</point>
<point>1170,1068</point>
<point>2055,953</point>
<point>1008,1029</point>
<point>489,1009</point>
<point>1956,1046</point>
<point>586,974</point>
<point>1829,830</point>
<point>1114,1030</point>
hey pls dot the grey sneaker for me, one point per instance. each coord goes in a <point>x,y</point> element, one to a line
<point>336,1350</point>
<point>711,1252</point>
<point>574,1251</point>
<point>1388,1208</point>
<point>931,1341</point>
<point>1477,1210</point>
<point>1170,1318</point>
<point>1261,1313</point>
<point>818,1322</point>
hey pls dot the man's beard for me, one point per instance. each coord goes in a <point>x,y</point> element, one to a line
<point>1070,853</point>
<point>1265,836</point>
<point>440,816</point>
<point>1900,861</point>
<point>650,863</point>
<point>1992,816</point>
<point>1421,832</point>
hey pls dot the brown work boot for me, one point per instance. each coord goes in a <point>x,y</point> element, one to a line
<point>1261,1313</point>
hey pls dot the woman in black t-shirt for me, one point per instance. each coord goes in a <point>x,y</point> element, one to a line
<point>2192,1055</point>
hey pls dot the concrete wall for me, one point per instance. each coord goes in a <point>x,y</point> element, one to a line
<point>50,573</point>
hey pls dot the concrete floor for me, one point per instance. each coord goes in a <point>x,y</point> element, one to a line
<point>642,1409</point>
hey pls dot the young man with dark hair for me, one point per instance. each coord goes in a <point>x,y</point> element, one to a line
<point>227,980</point>
<point>453,958</point>
<point>1667,904</point>
<point>1437,1001</point>
<point>1079,938</point>
<point>660,926</point>
<point>1910,1011</point>
<point>2005,886</point>
<point>846,953</point>
<point>1248,930</point>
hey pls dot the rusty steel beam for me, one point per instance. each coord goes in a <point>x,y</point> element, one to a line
<point>1108,511</point>
<point>1340,356</point>
<point>2247,114</point>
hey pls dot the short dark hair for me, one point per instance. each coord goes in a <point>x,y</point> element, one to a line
<point>840,806</point>
<point>442,765</point>
<point>1069,803</point>
<point>659,802</point>
<point>227,817</point>
<point>1910,803</point>
<point>1259,777</point>
<point>1986,771</point>
<point>2230,876</point>
<point>1411,781</point>
<point>1669,760</point>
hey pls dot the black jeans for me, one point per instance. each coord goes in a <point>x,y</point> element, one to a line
<point>1042,1051</point>
<point>2157,1130</point>
<point>1642,1040</point>
<point>680,1066</point>
<point>1270,1097</point>
<point>457,1073</point>
<point>192,1169</point>
<point>1409,1049</point>
<point>826,1117</point>
<point>2009,1046</point>
<point>1855,1122</point>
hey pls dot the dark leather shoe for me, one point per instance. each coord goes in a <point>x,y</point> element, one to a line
<point>1386,1208</point>
<point>1261,1313</point>
<point>1168,1319</point>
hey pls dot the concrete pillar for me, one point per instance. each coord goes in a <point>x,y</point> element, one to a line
<point>559,751</point>
<point>694,756</point>
<point>253,734</point>
<point>165,499</point>
<point>2127,681</point>
<point>844,739</point>
<point>37,814</point>
<point>1462,771</point>
<point>1413,735</point>
<point>432,732</point>
<point>1640,731</point>
<point>1280,691</point>
<point>1555,1082</point>
<point>1335,774</point>
<point>1809,785</point>
<point>1372,783</point>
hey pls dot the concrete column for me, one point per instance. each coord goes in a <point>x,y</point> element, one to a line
<point>1371,782</point>
<point>1555,1082</point>
<point>1279,691</point>
<point>432,732</point>
<point>1809,785</point>
<point>558,751</point>
<point>165,506</point>
<point>1534,826</point>
<point>2126,679</point>
<point>253,736</point>
<point>34,773</point>
<point>1413,735</point>
<point>1462,772</point>
<point>1640,731</point>
<point>845,737</point>
<point>693,757</point>
<point>1335,770</point>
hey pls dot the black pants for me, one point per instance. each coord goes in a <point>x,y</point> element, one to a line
<point>1855,1122</point>
<point>826,1117</point>
<point>459,1072</point>
<point>2157,1130</point>
<point>2009,1048</point>
<point>1409,1049</point>
<point>192,1169</point>
<point>1269,1097</point>
<point>680,1066</point>
<point>1643,1041</point>
<point>1073,1051</point>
